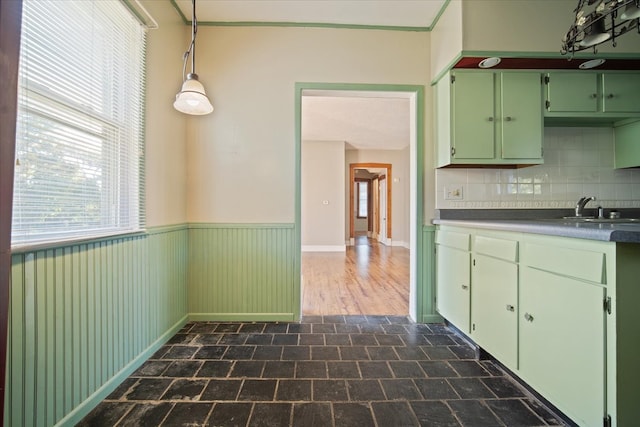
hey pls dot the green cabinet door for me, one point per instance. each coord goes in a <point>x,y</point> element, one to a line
<point>521,118</point>
<point>572,92</point>
<point>453,284</point>
<point>621,93</point>
<point>627,145</point>
<point>562,353</point>
<point>494,301</point>
<point>473,118</point>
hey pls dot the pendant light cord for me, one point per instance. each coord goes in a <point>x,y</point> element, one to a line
<point>191,50</point>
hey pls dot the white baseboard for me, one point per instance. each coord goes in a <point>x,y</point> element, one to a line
<point>326,248</point>
<point>400,243</point>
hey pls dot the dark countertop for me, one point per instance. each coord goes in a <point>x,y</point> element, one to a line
<point>543,221</point>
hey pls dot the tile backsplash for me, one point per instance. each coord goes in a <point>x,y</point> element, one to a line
<point>577,162</point>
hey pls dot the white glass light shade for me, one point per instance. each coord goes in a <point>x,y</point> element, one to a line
<point>596,35</point>
<point>192,98</point>
<point>631,11</point>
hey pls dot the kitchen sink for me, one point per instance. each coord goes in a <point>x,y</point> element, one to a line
<point>612,220</point>
<point>591,219</point>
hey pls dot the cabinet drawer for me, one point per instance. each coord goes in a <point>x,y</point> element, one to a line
<point>580,264</point>
<point>453,239</point>
<point>497,248</point>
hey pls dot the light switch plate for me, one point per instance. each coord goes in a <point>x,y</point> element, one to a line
<point>453,192</point>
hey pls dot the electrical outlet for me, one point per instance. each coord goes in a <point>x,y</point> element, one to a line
<point>453,192</point>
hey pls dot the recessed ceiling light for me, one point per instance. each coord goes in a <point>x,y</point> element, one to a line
<point>489,62</point>
<point>593,63</point>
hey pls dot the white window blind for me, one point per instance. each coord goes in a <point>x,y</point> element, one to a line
<point>79,140</point>
<point>363,195</point>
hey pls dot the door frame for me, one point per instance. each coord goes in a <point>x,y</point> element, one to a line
<point>352,180</point>
<point>415,94</point>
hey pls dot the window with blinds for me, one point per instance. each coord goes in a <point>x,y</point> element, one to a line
<point>79,139</point>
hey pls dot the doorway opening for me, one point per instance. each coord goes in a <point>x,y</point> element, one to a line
<point>368,245</point>
<point>373,182</point>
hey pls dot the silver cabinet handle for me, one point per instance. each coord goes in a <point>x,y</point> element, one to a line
<point>593,96</point>
<point>528,317</point>
<point>465,287</point>
<point>510,307</point>
<point>490,119</point>
<point>508,118</point>
<point>610,96</point>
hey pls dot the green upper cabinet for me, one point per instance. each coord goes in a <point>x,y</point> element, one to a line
<point>486,118</point>
<point>627,145</point>
<point>588,97</point>
<point>621,93</point>
<point>572,92</point>
<point>473,130</point>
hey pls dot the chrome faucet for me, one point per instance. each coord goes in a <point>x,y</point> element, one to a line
<point>582,203</point>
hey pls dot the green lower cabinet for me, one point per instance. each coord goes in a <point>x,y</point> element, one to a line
<point>562,343</point>
<point>453,286</point>
<point>494,311</point>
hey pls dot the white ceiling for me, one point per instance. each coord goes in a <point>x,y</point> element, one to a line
<point>395,13</point>
<point>362,122</point>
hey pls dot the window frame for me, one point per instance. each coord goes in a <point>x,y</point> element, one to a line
<point>121,140</point>
<point>367,183</point>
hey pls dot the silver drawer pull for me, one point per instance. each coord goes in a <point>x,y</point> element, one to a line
<point>528,317</point>
<point>510,307</point>
<point>465,287</point>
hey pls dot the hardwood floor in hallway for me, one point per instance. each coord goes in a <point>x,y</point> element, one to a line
<point>369,278</point>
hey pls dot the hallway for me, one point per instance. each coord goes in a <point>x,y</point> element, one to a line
<point>369,278</point>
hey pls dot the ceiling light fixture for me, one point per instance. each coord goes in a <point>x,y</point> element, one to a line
<point>593,63</point>
<point>192,98</point>
<point>598,21</point>
<point>489,62</point>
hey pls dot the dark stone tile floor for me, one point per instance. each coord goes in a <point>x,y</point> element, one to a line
<point>334,371</point>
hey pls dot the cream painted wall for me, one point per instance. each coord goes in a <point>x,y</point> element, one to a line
<point>525,26</point>
<point>446,38</point>
<point>242,157</point>
<point>399,160</point>
<point>166,148</point>
<point>323,180</point>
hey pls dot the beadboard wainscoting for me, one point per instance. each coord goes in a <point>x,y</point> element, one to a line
<point>83,317</point>
<point>426,295</point>
<point>242,272</point>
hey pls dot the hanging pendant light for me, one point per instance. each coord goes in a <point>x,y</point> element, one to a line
<point>192,98</point>
<point>595,33</point>
<point>631,11</point>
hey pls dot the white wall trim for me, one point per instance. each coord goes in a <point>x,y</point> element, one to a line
<point>320,248</point>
